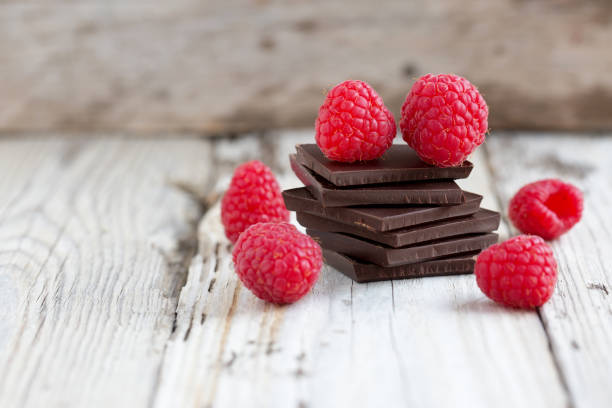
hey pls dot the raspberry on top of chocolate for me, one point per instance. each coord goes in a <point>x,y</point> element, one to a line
<point>354,124</point>
<point>444,118</point>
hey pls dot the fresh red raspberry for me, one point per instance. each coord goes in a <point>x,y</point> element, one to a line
<point>520,272</point>
<point>547,208</point>
<point>354,124</point>
<point>444,118</point>
<point>276,262</point>
<point>253,196</point>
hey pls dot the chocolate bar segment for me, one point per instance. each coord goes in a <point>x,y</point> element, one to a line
<point>482,221</point>
<point>382,255</point>
<point>366,272</point>
<point>380,218</point>
<point>440,193</point>
<point>399,164</point>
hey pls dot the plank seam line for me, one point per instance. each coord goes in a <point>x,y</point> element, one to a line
<point>551,349</point>
<point>570,398</point>
<point>187,248</point>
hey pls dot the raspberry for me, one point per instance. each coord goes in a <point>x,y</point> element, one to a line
<point>276,262</point>
<point>354,124</point>
<point>444,118</point>
<point>520,272</point>
<point>253,196</point>
<point>547,208</point>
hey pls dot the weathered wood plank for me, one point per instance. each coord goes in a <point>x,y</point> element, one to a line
<point>424,342</point>
<point>93,239</point>
<point>224,65</point>
<point>90,272</point>
<point>578,318</point>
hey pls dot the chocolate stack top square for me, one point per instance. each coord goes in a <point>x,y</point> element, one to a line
<point>390,218</point>
<point>399,163</point>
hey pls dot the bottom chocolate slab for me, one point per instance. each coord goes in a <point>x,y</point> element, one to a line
<point>382,255</point>
<point>364,272</point>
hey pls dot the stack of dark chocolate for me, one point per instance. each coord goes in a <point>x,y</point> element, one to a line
<point>391,218</point>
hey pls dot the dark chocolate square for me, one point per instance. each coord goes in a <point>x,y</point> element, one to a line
<point>363,272</point>
<point>380,218</point>
<point>480,222</point>
<point>383,255</point>
<point>422,192</point>
<point>399,164</point>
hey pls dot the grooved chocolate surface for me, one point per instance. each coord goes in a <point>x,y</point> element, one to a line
<point>382,255</point>
<point>366,272</point>
<point>399,163</point>
<point>482,221</point>
<point>440,192</point>
<point>380,218</point>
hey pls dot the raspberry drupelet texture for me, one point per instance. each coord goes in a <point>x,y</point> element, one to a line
<point>354,124</point>
<point>276,262</point>
<point>547,208</point>
<point>520,272</point>
<point>444,118</point>
<point>253,196</point>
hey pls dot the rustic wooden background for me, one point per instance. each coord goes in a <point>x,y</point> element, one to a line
<point>222,66</point>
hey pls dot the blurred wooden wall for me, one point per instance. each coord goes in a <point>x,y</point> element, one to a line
<point>222,66</point>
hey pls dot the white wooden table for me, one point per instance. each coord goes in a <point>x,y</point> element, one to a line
<point>117,290</point>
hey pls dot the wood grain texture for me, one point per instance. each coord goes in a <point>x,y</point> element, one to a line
<point>93,241</point>
<point>103,304</point>
<point>235,65</point>
<point>422,342</point>
<point>578,318</point>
